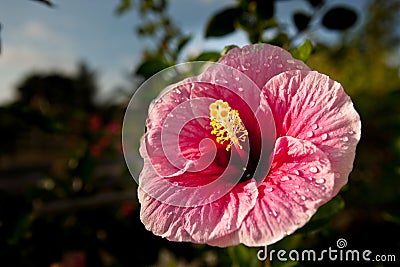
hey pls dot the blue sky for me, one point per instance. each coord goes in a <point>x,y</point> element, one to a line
<point>37,38</point>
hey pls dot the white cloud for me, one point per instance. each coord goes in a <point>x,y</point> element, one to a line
<point>32,47</point>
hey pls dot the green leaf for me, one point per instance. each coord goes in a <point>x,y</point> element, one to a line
<point>324,214</point>
<point>339,18</point>
<point>151,67</point>
<point>182,42</point>
<point>124,6</point>
<point>244,256</point>
<point>303,51</point>
<point>227,48</point>
<point>208,56</point>
<point>223,22</point>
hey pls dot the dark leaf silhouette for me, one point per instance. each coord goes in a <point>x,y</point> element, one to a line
<point>45,2</point>
<point>316,3</point>
<point>339,18</point>
<point>222,23</point>
<point>301,21</point>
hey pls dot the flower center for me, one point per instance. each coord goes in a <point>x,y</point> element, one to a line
<point>227,124</point>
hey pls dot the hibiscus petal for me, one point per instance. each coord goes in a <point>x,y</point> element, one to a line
<point>199,224</point>
<point>300,180</point>
<point>261,62</point>
<point>310,106</point>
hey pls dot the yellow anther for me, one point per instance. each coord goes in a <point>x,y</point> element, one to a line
<point>227,124</point>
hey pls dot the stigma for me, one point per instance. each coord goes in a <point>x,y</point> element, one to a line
<point>227,125</point>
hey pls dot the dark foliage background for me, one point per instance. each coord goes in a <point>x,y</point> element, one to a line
<point>67,199</point>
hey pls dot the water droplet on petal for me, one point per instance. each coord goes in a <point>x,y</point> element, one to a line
<point>258,71</point>
<point>228,226</point>
<point>299,67</point>
<point>266,65</point>
<point>314,169</point>
<point>345,139</point>
<point>324,136</point>
<point>314,126</point>
<point>178,91</point>
<point>148,198</point>
<point>170,115</point>
<point>294,192</point>
<point>274,213</point>
<point>320,181</point>
<point>296,172</point>
<point>170,213</point>
<point>285,178</point>
<point>310,134</point>
<point>297,186</point>
<point>351,132</point>
<point>237,78</point>
<point>240,89</point>
<point>303,197</point>
<point>269,189</point>
<point>276,57</point>
<point>290,61</point>
<point>279,65</point>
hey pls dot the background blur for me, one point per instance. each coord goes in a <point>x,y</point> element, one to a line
<point>68,69</point>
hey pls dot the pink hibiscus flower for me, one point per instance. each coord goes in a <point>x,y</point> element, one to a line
<point>247,151</point>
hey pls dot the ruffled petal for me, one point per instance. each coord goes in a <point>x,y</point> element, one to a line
<point>310,106</point>
<point>301,179</point>
<point>261,62</point>
<point>199,224</point>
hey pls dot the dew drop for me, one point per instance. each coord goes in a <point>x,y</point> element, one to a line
<point>312,103</point>
<point>178,91</point>
<point>314,169</point>
<point>176,100</point>
<point>170,213</point>
<point>351,132</point>
<point>148,198</point>
<point>276,57</point>
<point>296,172</point>
<point>303,197</point>
<point>294,192</point>
<point>243,68</point>
<point>258,71</point>
<point>314,126</point>
<point>237,78</point>
<point>266,65</point>
<point>165,125</point>
<point>290,61</point>
<point>297,186</point>
<point>274,213</point>
<point>324,136</point>
<point>310,134</point>
<point>279,65</point>
<point>228,226</point>
<point>320,181</point>
<point>269,189</point>
<point>345,139</point>
<point>170,115</point>
<point>285,178</point>
<point>299,67</point>
<point>307,190</point>
<point>240,89</point>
